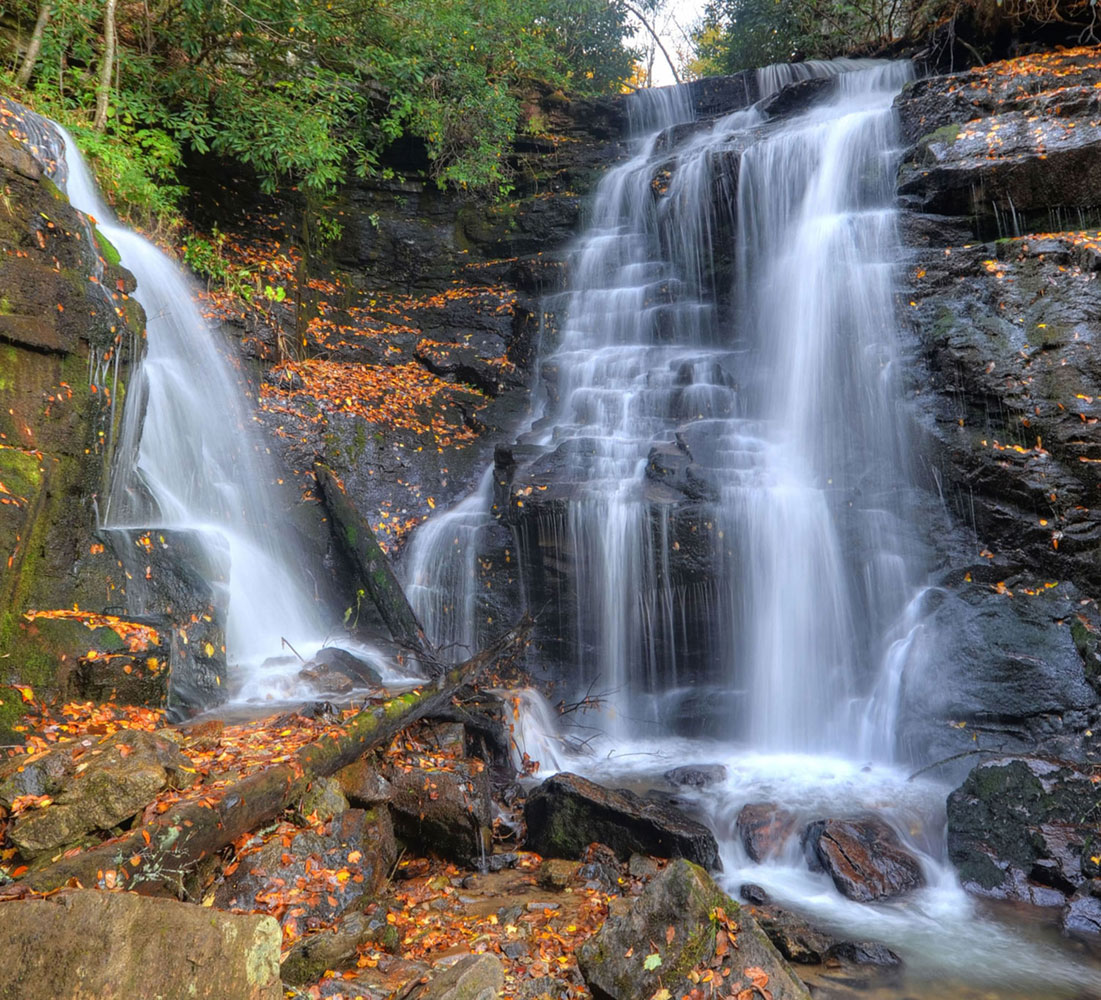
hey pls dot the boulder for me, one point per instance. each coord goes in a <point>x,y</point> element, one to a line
<point>696,775</point>
<point>557,873</point>
<point>793,937</point>
<point>1081,917</point>
<point>864,953</point>
<point>118,946</point>
<point>363,784</point>
<point>360,844</point>
<point>326,680</point>
<point>325,798</point>
<point>310,957</point>
<point>1024,828</point>
<point>335,659</point>
<point>446,812</point>
<point>93,786</point>
<point>475,977</point>
<point>681,925</point>
<point>764,828</point>
<point>864,857</point>
<point>567,813</point>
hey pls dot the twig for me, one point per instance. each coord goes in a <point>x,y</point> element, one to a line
<point>284,642</point>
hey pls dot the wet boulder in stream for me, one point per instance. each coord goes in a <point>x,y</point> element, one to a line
<point>864,857</point>
<point>567,813</point>
<point>1026,829</point>
<point>764,828</point>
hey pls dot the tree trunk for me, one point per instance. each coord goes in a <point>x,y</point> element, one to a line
<point>653,34</point>
<point>26,68</point>
<point>377,577</point>
<point>160,852</point>
<point>106,66</point>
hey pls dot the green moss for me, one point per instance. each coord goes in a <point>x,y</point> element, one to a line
<point>946,135</point>
<point>943,324</point>
<point>360,442</point>
<point>9,356</point>
<point>52,189</point>
<point>351,534</point>
<point>107,249</point>
<point>1087,645</point>
<point>19,471</point>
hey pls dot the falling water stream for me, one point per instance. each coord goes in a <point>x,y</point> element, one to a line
<point>190,458</point>
<point>780,415</point>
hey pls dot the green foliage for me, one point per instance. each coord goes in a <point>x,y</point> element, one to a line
<point>303,92</point>
<point>742,34</point>
<point>207,258</point>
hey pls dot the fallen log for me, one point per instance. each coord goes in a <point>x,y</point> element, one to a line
<point>375,573</point>
<point>153,859</point>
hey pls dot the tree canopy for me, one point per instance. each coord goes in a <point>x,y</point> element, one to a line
<point>304,91</point>
<point>741,34</point>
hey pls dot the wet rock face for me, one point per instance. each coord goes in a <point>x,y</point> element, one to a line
<point>177,579</point>
<point>1017,136</point>
<point>864,858</point>
<point>64,311</point>
<point>998,188</point>
<point>567,813</point>
<point>1004,662</point>
<point>1025,829</point>
<point>675,927</point>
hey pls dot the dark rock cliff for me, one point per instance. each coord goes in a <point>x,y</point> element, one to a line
<point>69,334</point>
<point>999,190</point>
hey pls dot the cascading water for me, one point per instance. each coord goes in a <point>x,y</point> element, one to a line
<point>733,484</point>
<point>190,459</point>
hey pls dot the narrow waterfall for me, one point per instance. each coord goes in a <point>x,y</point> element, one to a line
<point>190,457</point>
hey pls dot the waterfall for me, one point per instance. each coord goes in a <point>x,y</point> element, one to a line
<point>190,457</point>
<point>734,478</point>
<point>735,470</point>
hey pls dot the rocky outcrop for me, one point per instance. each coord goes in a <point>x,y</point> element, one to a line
<point>1026,829</point>
<point>998,187</point>
<point>567,813</point>
<point>683,924</point>
<point>89,785</point>
<point>117,946</point>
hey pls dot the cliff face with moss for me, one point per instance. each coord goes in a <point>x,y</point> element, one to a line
<point>69,334</point>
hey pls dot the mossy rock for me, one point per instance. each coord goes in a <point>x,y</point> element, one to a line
<point>655,941</point>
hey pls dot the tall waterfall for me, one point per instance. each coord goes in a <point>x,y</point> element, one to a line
<point>735,472</point>
<point>191,458</point>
